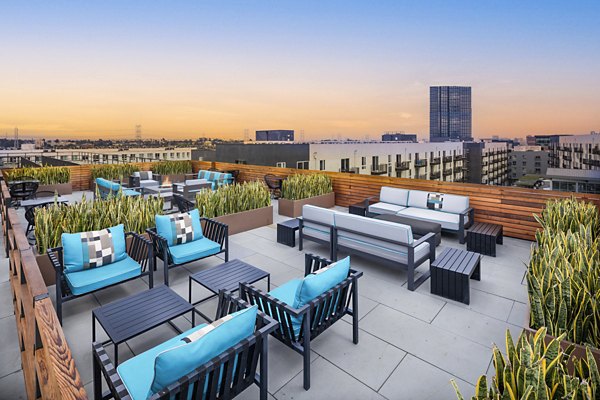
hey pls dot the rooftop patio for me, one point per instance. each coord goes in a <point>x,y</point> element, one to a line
<point>411,343</point>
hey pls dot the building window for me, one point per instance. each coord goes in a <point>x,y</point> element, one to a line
<point>302,165</point>
<point>345,164</point>
<point>363,162</point>
<point>322,165</point>
<point>375,161</point>
<point>280,164</point>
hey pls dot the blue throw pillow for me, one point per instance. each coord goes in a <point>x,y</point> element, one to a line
<point>110,185</point>
<point>86,250</point>
<point>179,228</point>
<point>318,283</point>
<point>201,346</point>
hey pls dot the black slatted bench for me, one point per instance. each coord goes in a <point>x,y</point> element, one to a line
<point>451,272</point>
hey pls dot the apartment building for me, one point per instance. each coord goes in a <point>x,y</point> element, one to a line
<point>434,161</point>
<point>579,152</point>
<point>527,160</point>
<point>487,162</point>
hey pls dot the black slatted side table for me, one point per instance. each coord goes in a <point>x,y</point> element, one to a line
<point>483,237</point>
<point>226,276</point>
<point>129,317</point>
<point>286,232</point>
<point>451,273</point>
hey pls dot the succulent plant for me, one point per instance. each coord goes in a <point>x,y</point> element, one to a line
<point>231,199</point>
<point>297,187</point>
<point>564,215</point>
<point>47,175</point>
<point>114,171</point>
<point>135,212</point>
<point>172,167</point>
<point>535,370</point>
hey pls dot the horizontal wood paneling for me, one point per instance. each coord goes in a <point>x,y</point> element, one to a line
<point>511,207</point>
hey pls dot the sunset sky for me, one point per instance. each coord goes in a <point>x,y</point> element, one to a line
<point>349,68</point>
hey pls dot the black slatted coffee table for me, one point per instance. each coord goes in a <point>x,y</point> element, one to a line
<point>451,273</point>
<point>482,238</point>
<point>286,232</point>
<point>129,317</point>
<point>226,276</point>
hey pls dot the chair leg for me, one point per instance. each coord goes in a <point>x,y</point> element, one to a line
<point>306,351</point>
<point>263,370</point>
<point>97,379</point>
<point>58,299</point>
<point>355,311</point>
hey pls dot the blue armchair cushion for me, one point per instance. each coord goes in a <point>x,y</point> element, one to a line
<point>183,253</point>
<point>108,185</point>
<point>179,228</point>
<point>87,250</point>
<point>287,294</point>
<point>131,192</point>
<point>86,281</point>
<point>318,283</point>
<point>137,373</point>
<point>172,364</point>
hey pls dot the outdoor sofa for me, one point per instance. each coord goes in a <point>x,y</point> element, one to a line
<point>451,211</point>
<point>387,242</point>
<point>106,189</point>
<point>216,178</point>
<point>204,363</point>
<point>143,179</point>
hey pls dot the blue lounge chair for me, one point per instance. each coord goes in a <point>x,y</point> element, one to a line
<point>108,188</point>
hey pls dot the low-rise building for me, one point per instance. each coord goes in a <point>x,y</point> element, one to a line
<point>487,162</point>
<point>527,160</point>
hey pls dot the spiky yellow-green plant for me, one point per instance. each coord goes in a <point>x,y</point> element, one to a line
<point>172,167</point>
<point>568,214</point>
<point>135,212</point>
<point>47,175</point>
<point>535,370</point>
<point>300,186</point>
<point>231,199</point>
<point>114,171</point>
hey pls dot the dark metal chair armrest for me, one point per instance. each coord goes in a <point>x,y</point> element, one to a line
<point>108,370</point>
<point>141,250</point>
<point>160,243</point>
<point>430,237</point>
<point>54,255</point>
<point>469,212</point>
<point>313,263</point>
<point>214,230</point>
<point>191,176</point>
<point>370,199</point>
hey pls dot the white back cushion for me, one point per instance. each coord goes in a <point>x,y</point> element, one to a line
<point>393,196</point>
<point>417,198</point>
<point>318,214</point>
<point>374,227</point>
<point>455,204</point>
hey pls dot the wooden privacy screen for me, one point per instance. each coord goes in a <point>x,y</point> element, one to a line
<point>511,207</point>
<point>48,367</point>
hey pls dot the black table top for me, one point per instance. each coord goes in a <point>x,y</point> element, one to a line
<point>458,260</point>
<point>291,223</point>
<point>484,228</point>
<point>129,317</point>
<point>228,276</point>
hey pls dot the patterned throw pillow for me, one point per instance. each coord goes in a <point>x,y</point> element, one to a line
<point>182,228</point>
<point>144,175</point>
<point>197,335</point>
<point>98,248</point>
<point>435,201</point>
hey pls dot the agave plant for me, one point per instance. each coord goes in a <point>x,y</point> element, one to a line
<point>536,370</point>
<point>231,199</point>
<point>568,214</point>
<point>172,167</point>
<point>297,187</point>
<point>47,175</point>
<point>114,171</point>
<point>135,212</point>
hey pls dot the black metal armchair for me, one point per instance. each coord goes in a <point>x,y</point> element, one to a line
<point>138,248</point>
<point>222,378</point>
<point>213,230</point>
<point>275,184</point>
<point>23,189</point>
<point>183,204</point>
<point>315,317</point>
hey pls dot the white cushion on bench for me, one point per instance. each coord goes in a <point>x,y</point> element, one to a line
<point>447,220</point>
<point>392,195</point>
<point>385,208</point>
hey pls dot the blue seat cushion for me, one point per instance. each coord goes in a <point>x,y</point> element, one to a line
<point>109,185</point>
<point>77,255</point>
<point>172,364</point>
<point>183,253</point>
<point>131,192</point>
<point>170,227</point>
<point>314,285</point>
<point>287,294</point>
<point>81,282</point>
<point>137,373</point>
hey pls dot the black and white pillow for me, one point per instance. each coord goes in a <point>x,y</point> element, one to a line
<point>145,175</point>
<point>98,248</point>
<point>182,228</point>
<point>435,201</point>
<point>197,335</point>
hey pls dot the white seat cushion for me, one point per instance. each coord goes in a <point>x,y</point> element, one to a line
<point>385,208</point>
<point>392,195</point>
<point>148,183</point>
<point>417,198</point>
<point>318,214</point>
<point>374,227</point>
<point>454,204</point>
<point>447,220</point>
<point>388,251</point>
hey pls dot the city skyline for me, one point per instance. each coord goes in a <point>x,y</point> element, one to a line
<point>184,69</point>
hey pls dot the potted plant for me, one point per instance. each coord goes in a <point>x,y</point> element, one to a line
<point>534,368</point>
<point>168,172</point>
<point>298,190</point>
<point>112,172</point>
<point>52,179</point>
<point>135,212</point>
<point>242,207</point>
<point>563,276</point>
